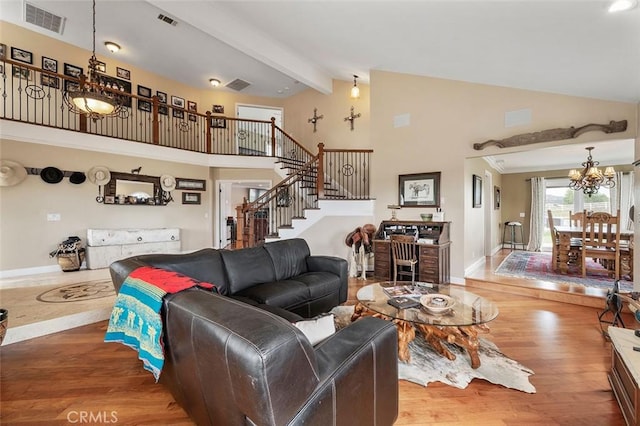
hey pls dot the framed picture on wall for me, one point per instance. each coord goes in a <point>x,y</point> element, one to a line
<point>191,184</point>
<point>419,190</point>
<point>191,198</point>
<point>477,191</point>
<point>496,198</point>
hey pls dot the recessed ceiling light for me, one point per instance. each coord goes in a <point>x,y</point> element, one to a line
<point>622,5</point>
<point>214,82</point>
<point>111,46</point>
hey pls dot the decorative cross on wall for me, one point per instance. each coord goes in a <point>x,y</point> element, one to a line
<point>352,117</point>
<point>315,119</point>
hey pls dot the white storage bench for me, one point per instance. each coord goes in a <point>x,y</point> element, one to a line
<point>105,246</point>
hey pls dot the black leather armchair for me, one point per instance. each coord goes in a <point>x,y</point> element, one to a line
<point>229,363</point>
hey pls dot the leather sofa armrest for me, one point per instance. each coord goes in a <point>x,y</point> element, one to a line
<point>121,269</point>
<point>358,368</point>
<point>335,265</point>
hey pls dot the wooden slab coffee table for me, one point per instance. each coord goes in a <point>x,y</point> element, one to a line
<point>461,325</point>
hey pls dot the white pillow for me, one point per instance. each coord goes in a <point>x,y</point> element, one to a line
<point>317,329</point>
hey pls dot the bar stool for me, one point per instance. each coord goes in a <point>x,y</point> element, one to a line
<point>512,231</point>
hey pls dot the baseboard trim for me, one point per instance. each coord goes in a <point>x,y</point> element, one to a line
<point>12,273</point>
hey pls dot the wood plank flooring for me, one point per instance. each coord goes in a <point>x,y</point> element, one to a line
<point>58,378</point>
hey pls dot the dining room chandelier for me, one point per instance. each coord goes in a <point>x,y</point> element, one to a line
<point>91,97</point>
<point>590,178</point>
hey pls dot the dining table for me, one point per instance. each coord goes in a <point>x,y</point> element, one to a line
<point>567,233</point>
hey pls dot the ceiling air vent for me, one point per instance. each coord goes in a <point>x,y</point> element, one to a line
<point>41,18</point>
<point>238,84</point>
<point>165,18</point>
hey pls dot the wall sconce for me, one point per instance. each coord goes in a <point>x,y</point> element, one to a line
<point>355,90</point>
<point>111,46</point>
<point>214,82</point>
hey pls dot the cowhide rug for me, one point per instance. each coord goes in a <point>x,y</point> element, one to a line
<point>426,366</point>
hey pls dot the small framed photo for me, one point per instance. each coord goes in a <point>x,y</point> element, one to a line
<point>496,198</point>
<point>419,190</point>
<point>191,198</point>
<point>144,105</point>
<point>22,73</point>
<point>191,184</point>
<point>101,67</point>
<point>477,191</point>
<point>72,70</point>
<point>162,97</point>
<point>192,106</point>
<point>178,113</point>
<point>192,117</point>
<point>219,123</point>
<point>71,86</point>
<point>177,102</point>
<point>122,73</point>
<point>163,109</point>
<point>49,64</point>
<point>50,81</point>
<point>3,50</point>
<point>218,109</point>
<point>21,55</point>
<point>144,91</point>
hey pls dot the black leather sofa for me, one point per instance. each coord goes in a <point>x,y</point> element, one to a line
<point>277,276</point>
<point>237,359</point>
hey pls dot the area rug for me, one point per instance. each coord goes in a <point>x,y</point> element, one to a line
<point>78,292</point>
<point>426,366</point>
<point>537,265</point>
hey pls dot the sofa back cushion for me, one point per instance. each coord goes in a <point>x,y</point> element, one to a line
<point>289,257</point>
<point>247,267</point>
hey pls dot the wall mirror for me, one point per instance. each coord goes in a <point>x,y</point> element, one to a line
<point>129,188</point>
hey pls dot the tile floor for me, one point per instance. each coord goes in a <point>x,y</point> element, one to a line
<point>30,317</point>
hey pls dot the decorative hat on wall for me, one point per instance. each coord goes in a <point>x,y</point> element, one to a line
<point>11,173</point>
<point>167,183</point>
<point>51,175</point>
<point>77,178</point>
<point>99,175</point>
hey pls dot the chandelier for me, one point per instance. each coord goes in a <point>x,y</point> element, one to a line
<point>92,98</point>
<point>590,178</point>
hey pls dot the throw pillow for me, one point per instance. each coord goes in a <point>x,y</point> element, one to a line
<point>317,329</point>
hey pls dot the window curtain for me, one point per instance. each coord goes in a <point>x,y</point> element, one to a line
<point>622,198</point>
<point>536,226</point>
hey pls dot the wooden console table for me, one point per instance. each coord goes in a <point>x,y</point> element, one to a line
<point>625,373</point>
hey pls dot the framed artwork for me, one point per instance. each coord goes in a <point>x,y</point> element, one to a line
<point>21,55</point>
<point>191,198</point>
<point>496,198</point>
<point>49,64</point>
<point>219,123</point>
<point>72,70</point>
<point>178,113</point>
<point>192,117</point>
<point>419,190</point>
<point>101,67</point>
<point>163,109</point>
<point>144,91</point>
<point>191,184</point>
<point>144,105</point>
<point>477,191</point>
<point>3,50</point>
<point>50,81</point>
<point>218,109</point>
<point>22,73</point>
<point>162,97</point>
<point>122,73</point>
<point>192,106</point>
<point>70,86</point>
<point>117,83</point>
<point>177,102</point>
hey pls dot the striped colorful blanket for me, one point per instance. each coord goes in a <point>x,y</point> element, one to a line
<point>135,319</point>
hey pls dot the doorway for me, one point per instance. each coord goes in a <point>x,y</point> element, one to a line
<point>258,112</point>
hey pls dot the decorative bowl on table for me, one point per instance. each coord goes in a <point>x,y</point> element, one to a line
<point>427,217</point>
<point>437,303</point>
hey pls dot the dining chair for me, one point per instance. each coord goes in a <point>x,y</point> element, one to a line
<point>601,241</point>
<point>575,246</point>
<point>403,250</point>
<point>576,219</point>
<point>626,258</point>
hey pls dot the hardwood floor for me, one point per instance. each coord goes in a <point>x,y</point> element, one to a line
<point>58,378</point>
